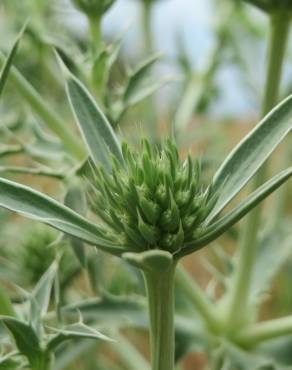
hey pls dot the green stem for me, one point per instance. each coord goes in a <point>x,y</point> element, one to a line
<point>279,30</point>
<point>160,292</point>
<point>41,362</point>
<point>95,34</point>
<point>198,299</point>
<point>50,118</point>
<point>265,330</point>
<point>146,21</point>
<point>148,49</point>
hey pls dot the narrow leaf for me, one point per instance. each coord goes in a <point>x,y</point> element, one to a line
<point>25,338</point>
<point>42,292</point>
<point>137,78</point>
<point>74,331</point>
<point>76,200</point>
<point>94,126</point>
<point>6,66</point>
<point>249,155</point>
<point>35,205</point>
<point>219,227</point>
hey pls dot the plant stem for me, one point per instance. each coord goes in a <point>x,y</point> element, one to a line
<point>146,20</point>
<point>160,292</point>
<point>95,34</point>
<point>41,362</point>
<point>48,115</point>
<point>279,30</point>
<point>265,330</point>
<point>198,298</point>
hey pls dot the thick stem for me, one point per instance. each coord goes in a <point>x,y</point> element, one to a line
<point>160,293</point>
<point>95,34</point>
<point>41,362</point>
<point>279,30</point>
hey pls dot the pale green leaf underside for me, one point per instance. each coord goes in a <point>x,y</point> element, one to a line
<point>35,205</point>
<point>94,126</point>
<point>248,156</point>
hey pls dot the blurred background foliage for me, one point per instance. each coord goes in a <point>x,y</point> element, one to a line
<point>189,68</point>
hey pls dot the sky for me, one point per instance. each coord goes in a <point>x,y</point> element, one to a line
<point>193,21</point>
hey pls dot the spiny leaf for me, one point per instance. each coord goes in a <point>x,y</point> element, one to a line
<point>74,331</point>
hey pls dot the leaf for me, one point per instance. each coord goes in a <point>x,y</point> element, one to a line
<point>40,297</point>
<point>6,307</point>
<point>35,205</point>
<point>76,200</point>
<point>25,338</point>
<point>8,362</point>
<point>109,308</point>
<point>146,89</point>
<point>94,126</point>
<point>8,63</point>
<point>249,155</point>
<point>214,230</point>
<point>137,78</point>
<point>74,331</point>
<point>274,247</point>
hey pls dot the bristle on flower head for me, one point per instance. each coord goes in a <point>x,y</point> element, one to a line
<point>155,201</point>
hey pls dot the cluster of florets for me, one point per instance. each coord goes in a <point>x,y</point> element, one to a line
<point>153,200</point>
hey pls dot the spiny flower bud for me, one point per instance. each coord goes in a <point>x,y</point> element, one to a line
<point>153,201</point>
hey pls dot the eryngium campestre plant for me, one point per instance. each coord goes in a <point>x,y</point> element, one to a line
<point>154,201</point>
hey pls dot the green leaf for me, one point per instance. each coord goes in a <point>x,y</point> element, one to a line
<point>274,247</point>
<point>6,307</point>
<point>214,230</point>
<point>137,79</point>
<point>8,362</point>
<point>116,310</point>
<point>35,205</point>
<point>40,297</point>
<point>74,331</point>
<point>25,338</point>
<point>76,200</point>
<point>249,155</point>
<point>93,124</point>
<point>146,89</point>
<point>8,63</point>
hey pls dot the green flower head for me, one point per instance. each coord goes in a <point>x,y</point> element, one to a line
<point>154,201</point>
<point>93,8</point>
